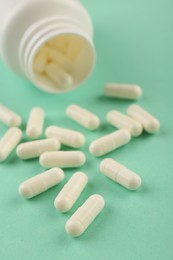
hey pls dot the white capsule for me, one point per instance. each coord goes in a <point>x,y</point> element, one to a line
<point>40,183</point>
<point>73,49</point>
<point>35,123</point>
<point>34,149</point>
<point>83,117</point>
<point>59,59</point>
<point>66,136</point>
<point>9,141</point>
<point>120,120</point>
<point>120,174</point>
<point>8,117</point>
<point>62,159</point>
<point>149,123</point>
<point>123,91</point>
<point>85,215</point>
<point>109,142</point>
<point>40,62</point>
<point>59,76</point>
<point>60,44</point>
<point>46,83</point>
<point>71,192</point>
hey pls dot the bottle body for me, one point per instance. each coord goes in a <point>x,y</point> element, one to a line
<point>32,27</point>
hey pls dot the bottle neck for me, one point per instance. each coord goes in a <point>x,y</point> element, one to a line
<point>40,34</point>
<point>18,16</point>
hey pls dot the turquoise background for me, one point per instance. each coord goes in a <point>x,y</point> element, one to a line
<point>134,43</point>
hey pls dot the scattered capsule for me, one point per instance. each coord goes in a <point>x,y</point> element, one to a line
<point>149,123</point>
<point>8,117</point>
<point>40,62</point>
<point>9,141</point>
<point>123,91</point>
<point>40,183</point>
<point>71,192</point>
<point>85,215</point>
<point>62,159</point>
<point>83,117</point>
<point>120,174</point>
<point>66,136</point>
<point>109,142</point>
<point>35,123</point>
<point>59,76</point>
<point>120,120</point>
<point>34,149</point>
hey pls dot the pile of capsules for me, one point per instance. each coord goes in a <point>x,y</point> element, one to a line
<point>55,62</point>
<point>50,156</point>
<point>54,69</point>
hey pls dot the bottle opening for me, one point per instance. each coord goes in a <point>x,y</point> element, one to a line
<point>62,63</point>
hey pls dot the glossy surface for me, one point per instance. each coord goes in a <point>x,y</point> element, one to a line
<point>8,117</point>
<point>40,183</point>
<point>83,117</point>
<point>71,192</point>
<point>35,123</point>
<point>85,215</point>
<point>9,141</point>
<point>120,174</point>
<point>62,159</point>
<point>149,122</point>
<point>66,136</point>
<point>34,149</point>
<point>121,120</point>
<point>123,91</point>
<point>110,142</point>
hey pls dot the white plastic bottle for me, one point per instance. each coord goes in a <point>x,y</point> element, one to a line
<point>50,42</point>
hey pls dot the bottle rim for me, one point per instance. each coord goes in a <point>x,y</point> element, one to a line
<point>40,33</point>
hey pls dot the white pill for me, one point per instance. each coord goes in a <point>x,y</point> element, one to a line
<point>120,174</point>
<point>59,76</point>
<point>40,183</point>
<point>9,141</point>
<point>44,81</point>
<point>66,136</point>
<point>40,62</point>
<point>71,192</point>
<point>60,44</point>
<point>34,149</point>
<point>8,117</point>
<point>62,159</point>
<point>124,91</point>
<point>149,123</point>
<point>109,142</point>
<point>85,215</point>
<point>120,120</point>
<point>73,49</point>
<point>83,117</point>
<point>35,123</point>
<point>59,59</point>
